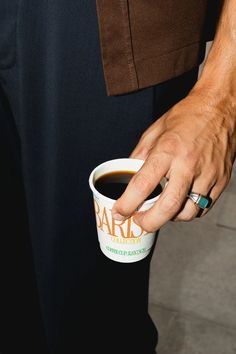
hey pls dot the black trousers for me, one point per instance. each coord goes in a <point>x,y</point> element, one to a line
<point>58,293</point>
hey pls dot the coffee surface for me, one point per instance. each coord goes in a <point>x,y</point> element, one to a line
<point>113,184</point>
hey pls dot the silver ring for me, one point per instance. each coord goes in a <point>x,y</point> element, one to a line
<point>201,201</point>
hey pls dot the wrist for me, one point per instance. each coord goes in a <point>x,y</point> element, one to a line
<point>218,77</point>
<point>217,82</point>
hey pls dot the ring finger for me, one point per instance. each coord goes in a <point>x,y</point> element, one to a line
<point>191,209</point>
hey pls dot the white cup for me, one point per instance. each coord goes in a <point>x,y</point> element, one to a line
<point>121,241</point>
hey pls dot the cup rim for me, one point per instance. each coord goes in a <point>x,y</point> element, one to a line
<point>96,192</point>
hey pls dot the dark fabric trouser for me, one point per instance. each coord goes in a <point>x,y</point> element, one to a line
<point>58,292</point>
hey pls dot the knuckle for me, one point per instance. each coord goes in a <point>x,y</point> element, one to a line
<point>121,210</point>
<point>170,142</point>
<point>170,204</point>
<point>143,183</point>
<point>187,175</point>
<point>192,157</point>
<point>147,226</point>
<point>122,207</point>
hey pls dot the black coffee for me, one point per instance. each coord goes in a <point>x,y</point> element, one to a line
<point>113,184</point>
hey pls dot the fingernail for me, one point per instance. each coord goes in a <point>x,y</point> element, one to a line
<point>118,217</point>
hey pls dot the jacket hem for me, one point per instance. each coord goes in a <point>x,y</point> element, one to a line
<point>154,70</point>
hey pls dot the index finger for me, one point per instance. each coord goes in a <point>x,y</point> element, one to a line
<point>141,185</point>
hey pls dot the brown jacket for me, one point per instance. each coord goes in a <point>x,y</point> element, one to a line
<point>145,42</point>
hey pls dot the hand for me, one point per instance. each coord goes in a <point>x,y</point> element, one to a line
<point>194,146</point>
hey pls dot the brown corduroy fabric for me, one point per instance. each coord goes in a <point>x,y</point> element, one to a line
<point>145,42</point>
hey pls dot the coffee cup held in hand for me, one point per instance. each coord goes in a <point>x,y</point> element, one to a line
<point>121,241</point>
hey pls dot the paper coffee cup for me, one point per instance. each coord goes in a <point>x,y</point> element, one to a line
<point>121,241</point>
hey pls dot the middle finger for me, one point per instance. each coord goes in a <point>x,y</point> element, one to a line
<point>169,204</point>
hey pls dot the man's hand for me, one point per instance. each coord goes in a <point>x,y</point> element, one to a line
<point>194,146</point>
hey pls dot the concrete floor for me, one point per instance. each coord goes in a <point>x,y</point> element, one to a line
<point>193,282</point>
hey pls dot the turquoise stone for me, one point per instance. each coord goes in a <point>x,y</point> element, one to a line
<point>203,202</point>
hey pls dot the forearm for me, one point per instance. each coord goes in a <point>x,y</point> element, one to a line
<point>218,78</point>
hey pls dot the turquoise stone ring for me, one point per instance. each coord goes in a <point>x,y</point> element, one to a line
<point>201,201</point>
